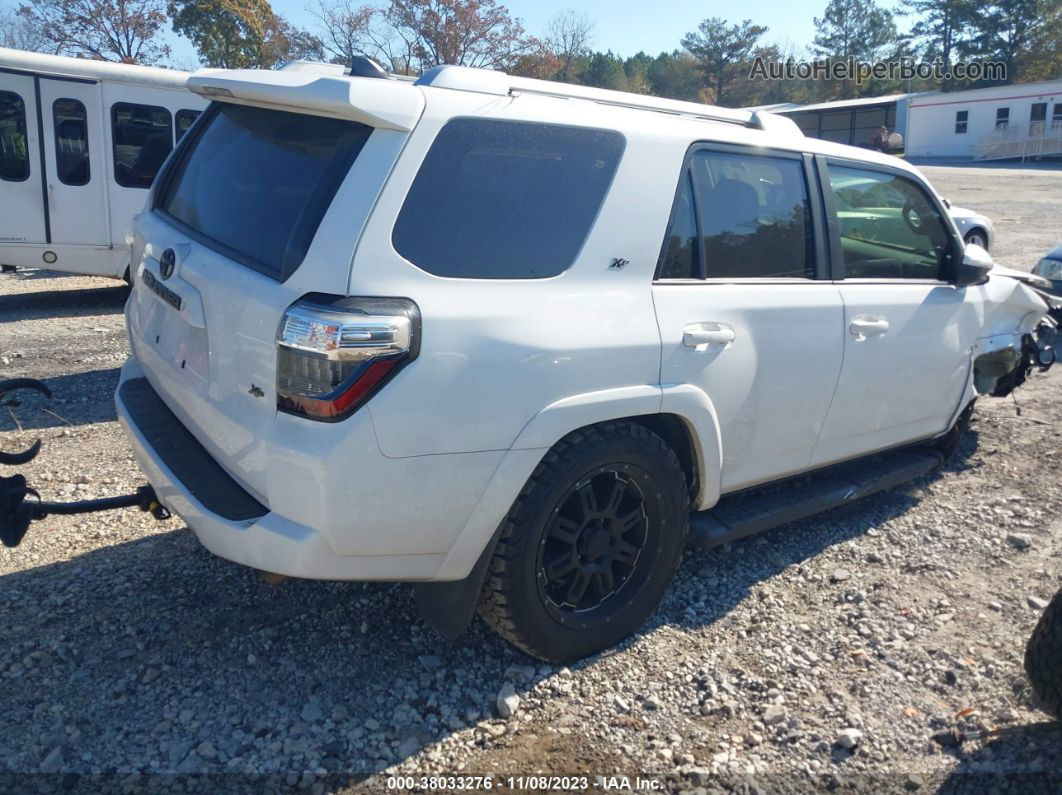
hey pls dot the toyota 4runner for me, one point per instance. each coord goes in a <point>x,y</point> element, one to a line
<point>518,342</point>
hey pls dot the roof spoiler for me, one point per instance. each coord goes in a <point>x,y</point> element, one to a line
<point>318,89</point>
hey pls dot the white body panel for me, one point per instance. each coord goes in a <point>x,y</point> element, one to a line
<point>784,333</point>
<point>520,344</point>
<point>22,219</point>
<point>414,484</point>
<point>77,228</point>
<point>902,380</point>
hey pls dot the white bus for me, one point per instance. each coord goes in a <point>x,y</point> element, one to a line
<point>80,142</point>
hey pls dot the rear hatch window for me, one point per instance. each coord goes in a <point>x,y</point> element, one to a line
<point>254,184</point>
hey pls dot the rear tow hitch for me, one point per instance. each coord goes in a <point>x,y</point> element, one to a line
<point>20,504</point>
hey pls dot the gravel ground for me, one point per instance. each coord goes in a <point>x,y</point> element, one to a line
<point>822,655</point>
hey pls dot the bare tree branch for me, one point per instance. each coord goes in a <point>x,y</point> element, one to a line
<point>568,36</point>
<point>108,30</point>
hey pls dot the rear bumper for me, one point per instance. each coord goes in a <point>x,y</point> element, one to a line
<point>232,524</point>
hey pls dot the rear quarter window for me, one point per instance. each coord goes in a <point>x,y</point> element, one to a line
<point>505,199</point>
<point>254,183</point>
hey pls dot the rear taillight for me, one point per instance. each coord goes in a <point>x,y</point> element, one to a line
<point>334,353</point>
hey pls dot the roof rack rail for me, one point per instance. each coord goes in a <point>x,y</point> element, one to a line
<point>623,99</point>
<point>463,78</point>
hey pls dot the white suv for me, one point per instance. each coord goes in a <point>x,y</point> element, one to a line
<point>516,340</point>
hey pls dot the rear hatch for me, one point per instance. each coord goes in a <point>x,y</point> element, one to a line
<point>262,203</point>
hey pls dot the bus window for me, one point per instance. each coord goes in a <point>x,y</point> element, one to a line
<point>143,136</point>
<point>184,121</point>
<point>14,159</point>
<point>71,142</point>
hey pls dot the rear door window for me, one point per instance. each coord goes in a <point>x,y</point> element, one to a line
<point>143,137</point>
<point>755,217</point>
<point>254,183</point>
<point>505,199</point>
<point>14,158</point>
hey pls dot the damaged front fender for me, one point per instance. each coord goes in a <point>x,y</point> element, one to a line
<point>1022,329</point>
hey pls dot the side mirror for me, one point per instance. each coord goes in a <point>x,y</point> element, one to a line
<point>974,267</point>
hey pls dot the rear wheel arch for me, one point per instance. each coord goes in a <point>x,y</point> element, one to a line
<point>677,432</point>
<point>682,414</point>
<point>678,435</point>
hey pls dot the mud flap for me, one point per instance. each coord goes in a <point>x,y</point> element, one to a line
<point>450,606</point>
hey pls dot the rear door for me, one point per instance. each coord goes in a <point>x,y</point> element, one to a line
<point>744,308</point>
<point>22,209</point>
<point>75,162</point>
<point>908,331</point>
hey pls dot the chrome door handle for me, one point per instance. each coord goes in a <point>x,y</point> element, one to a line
<point>862,327</point>
<point>701,335</point>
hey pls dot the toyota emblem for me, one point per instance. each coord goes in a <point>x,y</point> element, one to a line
<point>166,263</point>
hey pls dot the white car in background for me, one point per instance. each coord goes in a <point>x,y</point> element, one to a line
<point>976,228</point>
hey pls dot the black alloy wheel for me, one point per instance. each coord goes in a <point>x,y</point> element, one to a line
<point>589,546</point>
<point>591,550</point>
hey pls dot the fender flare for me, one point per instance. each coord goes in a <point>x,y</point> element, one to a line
<point>449,602</point>
<point>557,420</point>
<point>693,406</point>
<point>540,433</point>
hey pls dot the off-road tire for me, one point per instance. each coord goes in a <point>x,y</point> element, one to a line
<point>512,601</point>
<point>1043,659</point>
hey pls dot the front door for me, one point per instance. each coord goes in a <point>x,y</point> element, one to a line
<point>744,311</point>
<point>908,332</point>
<point>74,158</point>
<point>22,210</point>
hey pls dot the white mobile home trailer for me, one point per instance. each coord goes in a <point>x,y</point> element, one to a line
<point>80,142</point>
<point>1024,119</point>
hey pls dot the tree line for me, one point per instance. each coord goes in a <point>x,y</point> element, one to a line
<point>711,63</point>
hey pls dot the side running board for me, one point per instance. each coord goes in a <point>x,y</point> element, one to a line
<point>755,510</point>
